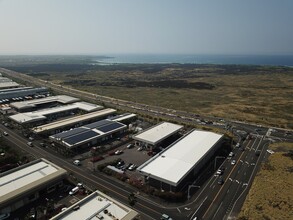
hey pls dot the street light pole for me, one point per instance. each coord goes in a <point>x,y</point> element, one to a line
<point>189,187</point>
<point>218,157</point>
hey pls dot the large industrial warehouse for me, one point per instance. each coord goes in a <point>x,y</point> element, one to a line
<point>51,113</point>
<point>26,183</point>
<point>21,92</point>
<point>172,168</point>
<point>88,135</point>
<point>7,83</point>
<point>97,206</point>
<point>153,136</point>
<point>42,102</point>
<point>57,126</point>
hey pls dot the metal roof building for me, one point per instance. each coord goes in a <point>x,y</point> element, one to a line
<point>157,133</point>
<point>88,134</point>
<point>63,99</point>
<point>21,91</point>
<point>97,206</point>
<point>40,115</point>
<point>7,83</point>
<point>188,154</point>
<point>123,117</point>
<point>47,128</point>
<point>19,183</point>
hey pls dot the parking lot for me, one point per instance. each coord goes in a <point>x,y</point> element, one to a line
<point>128,155</point>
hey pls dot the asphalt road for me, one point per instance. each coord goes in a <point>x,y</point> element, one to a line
<point>215,201</point>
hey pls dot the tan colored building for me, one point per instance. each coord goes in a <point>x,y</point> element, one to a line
<point>24,184</point>
<point>97,206</point>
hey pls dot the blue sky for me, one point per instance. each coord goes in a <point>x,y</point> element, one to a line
<point>146,26</point>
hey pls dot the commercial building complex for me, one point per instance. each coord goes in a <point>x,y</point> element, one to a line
<point>24,184</point>
<point>172,168</point>
<point>97,206</point>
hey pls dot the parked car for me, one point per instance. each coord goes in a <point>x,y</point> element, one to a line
<point>74,191</point>
<point>132,167</point>
<point>165,217</point>
<point>219,172</point>
<point>5,133</point>
<point>139,149</point>
<point>30,144</point>
<point>118,152</point>
<point>80,185</point>
<point>120,164</point>
<point>233,162</point>
<point>129,146</point>
<point>77,162</point>
<point>33,213</point>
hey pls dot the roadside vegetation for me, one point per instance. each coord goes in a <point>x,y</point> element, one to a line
<point>10,157</point>
<point>258,94</point>
<point>271,194</point>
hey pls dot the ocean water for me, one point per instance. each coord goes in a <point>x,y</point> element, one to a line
<point>273,60</point>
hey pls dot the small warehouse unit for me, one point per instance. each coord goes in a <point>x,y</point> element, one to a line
<point>97,206</point>
<point>88,135</point>
<point>25,184</point>
<point>155,135</point>
<point>171,169</point>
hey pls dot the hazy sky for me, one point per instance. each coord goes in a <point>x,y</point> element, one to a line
<point>146,26</point>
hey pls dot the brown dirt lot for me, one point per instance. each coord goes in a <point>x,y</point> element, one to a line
<point>271,195</point>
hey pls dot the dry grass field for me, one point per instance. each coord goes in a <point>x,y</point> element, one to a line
<point>271,194</point>
<point>250,93</point>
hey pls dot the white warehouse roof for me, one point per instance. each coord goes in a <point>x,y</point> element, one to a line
<point>41,114</point>
<point>175,162</point>
<point>64,99</point>
<point>19,180</point>
<point>8,84</point>
<point>94,206</point>
<point>158,133</point>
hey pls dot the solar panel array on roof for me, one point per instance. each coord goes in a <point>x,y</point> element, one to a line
<point>88,132</point>
<point>98,124</point>
<point>81,137</point>
<point>110,127</point>
<point>70,133</point>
